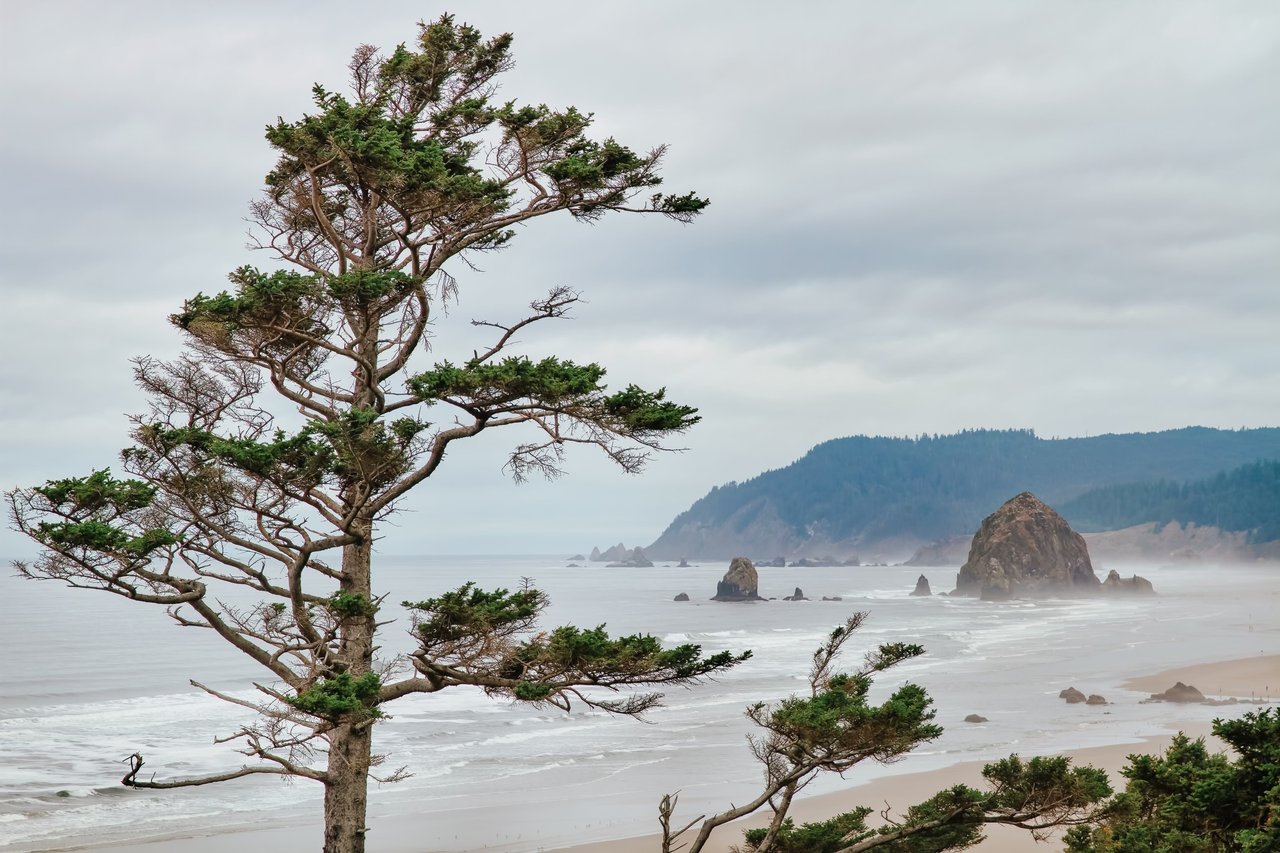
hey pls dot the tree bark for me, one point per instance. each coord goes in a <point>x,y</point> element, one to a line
<point>346,791</point>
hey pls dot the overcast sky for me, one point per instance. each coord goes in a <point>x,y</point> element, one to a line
<point>925,217</point>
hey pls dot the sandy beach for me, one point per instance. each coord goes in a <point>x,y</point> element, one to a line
<point>1257,676</point>
<point>1245,677</point>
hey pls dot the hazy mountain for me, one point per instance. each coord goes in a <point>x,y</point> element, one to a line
<point>882,497</point>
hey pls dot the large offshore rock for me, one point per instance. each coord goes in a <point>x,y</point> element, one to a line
<point>740,583</point>
<point>922,587</point>
<point>1025,549</point>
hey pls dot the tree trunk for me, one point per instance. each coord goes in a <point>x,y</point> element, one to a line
<point>346,792</point>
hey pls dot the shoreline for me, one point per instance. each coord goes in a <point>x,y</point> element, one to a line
<point>1242,678</point>
<point>401,832</point>
<point>907,789</point>
<point>1257,676</point>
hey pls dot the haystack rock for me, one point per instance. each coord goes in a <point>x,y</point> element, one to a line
<point>1136,585</point>
<point>1026,549</point>
<point>1073,696</point>
<point>922,587</point>
<point>740,583</point>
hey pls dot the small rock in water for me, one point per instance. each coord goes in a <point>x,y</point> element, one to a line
<point>922,587</point>
<point>798,595</point>
<point>1095,699</point>
<point>975,718</point>
<point>1073,696</point>
<point>684,596</point>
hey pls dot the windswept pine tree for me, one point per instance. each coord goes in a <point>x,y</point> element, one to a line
<point>375,197</point>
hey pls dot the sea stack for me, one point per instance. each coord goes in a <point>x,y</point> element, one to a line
<point>1025,549</point>
<point>922,587</point>
<point>1135,585</point>
<point>740,583</point>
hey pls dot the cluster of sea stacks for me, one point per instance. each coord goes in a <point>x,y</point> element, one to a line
<point>619,557</point>
<point>1022,550</point>
<point>742,583</point>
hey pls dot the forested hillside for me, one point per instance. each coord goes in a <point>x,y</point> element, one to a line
<point>1245,500</point>
<point>851,492</point>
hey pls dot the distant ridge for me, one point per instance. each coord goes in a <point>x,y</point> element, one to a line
<point>882,497</point>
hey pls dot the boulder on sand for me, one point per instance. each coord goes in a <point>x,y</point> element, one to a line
<point>1024,548</point>
<point>922,587</point>
<point>1073,696</point>
<point>740,583</point>
<point>1180,692</point>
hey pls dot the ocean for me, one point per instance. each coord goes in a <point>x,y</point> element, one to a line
<point>88,679</point>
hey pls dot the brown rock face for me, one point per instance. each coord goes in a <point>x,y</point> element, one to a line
<point>1025,549</point>
<point>740,583</point>
<point>1180,692</point>
<point>922,587</point>
<point>1136,585</point>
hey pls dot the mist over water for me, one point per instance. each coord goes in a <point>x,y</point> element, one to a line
<point>90,679</point>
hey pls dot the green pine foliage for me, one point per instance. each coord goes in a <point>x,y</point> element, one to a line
<point>342,697</point>
<point>1245,499</point>
<point>1189,800</point>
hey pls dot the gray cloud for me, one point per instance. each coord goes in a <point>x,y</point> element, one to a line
<point>925,217</point>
